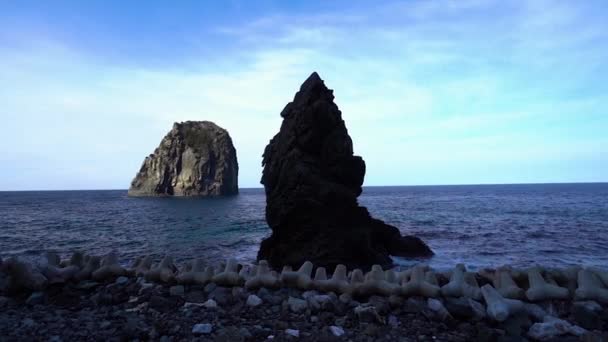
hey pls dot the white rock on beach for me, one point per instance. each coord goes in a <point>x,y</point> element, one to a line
<point>210,304</point>
<point>253,300</point>
<point>552,327</point>
<point>336,331</point>
<point>202,328</point>
<point>297,305</point>
<point>293,332</point>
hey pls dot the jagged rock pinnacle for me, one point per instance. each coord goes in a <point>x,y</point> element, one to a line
<point>312,181</point>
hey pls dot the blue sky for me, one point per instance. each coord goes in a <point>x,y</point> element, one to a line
<point>432,92</point>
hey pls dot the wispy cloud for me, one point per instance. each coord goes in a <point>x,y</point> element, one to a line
<point>447,92</point>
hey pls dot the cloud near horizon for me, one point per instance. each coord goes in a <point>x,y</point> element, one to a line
<point>446,92</point>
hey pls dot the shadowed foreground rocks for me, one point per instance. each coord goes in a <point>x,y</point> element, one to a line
<point>312,181</point>
<point>196,158</point>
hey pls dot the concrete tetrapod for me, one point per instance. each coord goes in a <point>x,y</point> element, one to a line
<point>187,276</point>
<point>23,276</point>
<point>299,279</point>
<point>92,264</point>
<point>419,285</point>
<point>459,287</point>
<point>109,269</point>
<point>541,290</point>
<point>375,283</point>
<point>498,307</point>
<point>590,287</point>
<point>262,278</point>
<point>230,276</point>
<point>141,267</point>
<point>338,282</point>
<point>163,272</point>
<point>56,274</point>
<point>505,285</point>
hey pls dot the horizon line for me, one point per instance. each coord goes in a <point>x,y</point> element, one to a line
<point>364,186</point>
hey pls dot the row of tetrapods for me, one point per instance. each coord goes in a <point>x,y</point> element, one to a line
<point>501,293</point>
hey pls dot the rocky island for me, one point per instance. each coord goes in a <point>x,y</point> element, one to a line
<point>312,181</point>
<point>196,158</point>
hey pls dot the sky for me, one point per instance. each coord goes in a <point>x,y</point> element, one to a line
<point>432,92</point>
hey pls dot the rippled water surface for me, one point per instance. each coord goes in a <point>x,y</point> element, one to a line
<point>483,225</point>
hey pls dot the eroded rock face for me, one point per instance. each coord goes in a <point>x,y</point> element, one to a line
<point>196,158</point>
<point>312,181</point>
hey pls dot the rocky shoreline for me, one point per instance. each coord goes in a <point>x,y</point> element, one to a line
<point>252,303</point>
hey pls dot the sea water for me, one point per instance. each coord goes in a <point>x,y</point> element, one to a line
<point>479,225</point>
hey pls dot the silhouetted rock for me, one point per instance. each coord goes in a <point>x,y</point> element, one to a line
<point>196,158</point>
<point>312,181</point>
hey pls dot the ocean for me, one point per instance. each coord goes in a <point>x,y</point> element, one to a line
<point>479,225</point>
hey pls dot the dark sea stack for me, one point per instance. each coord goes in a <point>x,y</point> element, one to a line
<point>312,181</point>
<point>196,158</point>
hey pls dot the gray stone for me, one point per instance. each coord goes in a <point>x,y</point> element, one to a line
<point>36,298</point>
<point>238,292</point>
<point>264,292</point>
<point>587,314</point>
<point>395,301</point>
<point>202,329</point>
<point>459,308</point>
<point>487,334</point>
<point>4,282</point>
<point>28,323</point>
<point>210,304</point>
<point>86,285</point>
<point>253,300</point>
<point>562,324</point>
<point>321,302</point>
<point>345,298</point>
<point>162,304</point>
<point>594,337</point>
<point>196,158</point>
<point>146,287</point>
<point>516,325</point>
<point>229,334</point>
<point>292,332</point>
<point>308,294</point>
<point>439,309</point>
<point>336,331</point>
<point>393,321</point>
<point>552,327</point>
<point>222,295</point>
<point>210,287</point>
<point>589,305</point>
<point>177,291</point>
<point>122,280</point>
<point>274,300</point>
<point>368,314</point>
<point>380,303</point>
<point>535,311</point>
<point>196,296</point>
<point>297,305</point>
<point>245,333</point>
<point>414,305</point>
<point>545,331</point>
<point>341,322</point>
